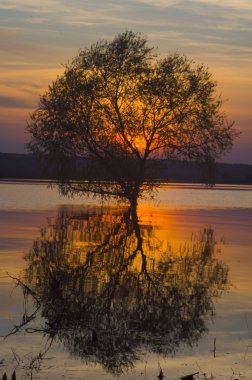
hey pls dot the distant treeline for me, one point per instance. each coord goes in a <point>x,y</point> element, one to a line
<point>27,166</point>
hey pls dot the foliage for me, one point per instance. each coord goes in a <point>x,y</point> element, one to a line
<point>118,105</point>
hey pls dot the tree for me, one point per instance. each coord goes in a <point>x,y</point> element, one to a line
<point>116,107</point>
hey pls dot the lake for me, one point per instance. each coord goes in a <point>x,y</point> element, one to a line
<point>103,293</point>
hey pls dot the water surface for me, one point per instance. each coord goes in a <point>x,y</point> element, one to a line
<point>172,228</point>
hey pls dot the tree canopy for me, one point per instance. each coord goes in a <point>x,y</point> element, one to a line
<point>116,106</point>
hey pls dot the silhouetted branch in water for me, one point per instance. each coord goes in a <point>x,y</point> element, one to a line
<point>26,289</point>
<point>26,319</point>
<point>107,287</point>
<point>34,364</point>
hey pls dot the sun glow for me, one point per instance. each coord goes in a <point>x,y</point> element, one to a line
<point>139,143</point>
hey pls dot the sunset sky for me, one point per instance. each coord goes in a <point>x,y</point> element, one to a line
<point>39,37</point>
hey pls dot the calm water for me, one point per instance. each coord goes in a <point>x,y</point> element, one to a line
<point>112,296</point>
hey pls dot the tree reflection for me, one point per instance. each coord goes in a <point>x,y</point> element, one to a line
<point>107,287</point>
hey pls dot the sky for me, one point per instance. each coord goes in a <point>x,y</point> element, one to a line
<point>38,37</point>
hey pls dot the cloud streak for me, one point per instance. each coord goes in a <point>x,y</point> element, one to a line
<point>36,38</point>
<point>189,19</point>
<point>12,102</point>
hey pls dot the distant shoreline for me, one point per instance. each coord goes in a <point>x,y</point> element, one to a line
<point>172,184</point>
<point>27,168</point>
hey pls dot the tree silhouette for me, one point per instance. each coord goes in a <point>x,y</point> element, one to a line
<point>106,286</point>
<point>116,107</point>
